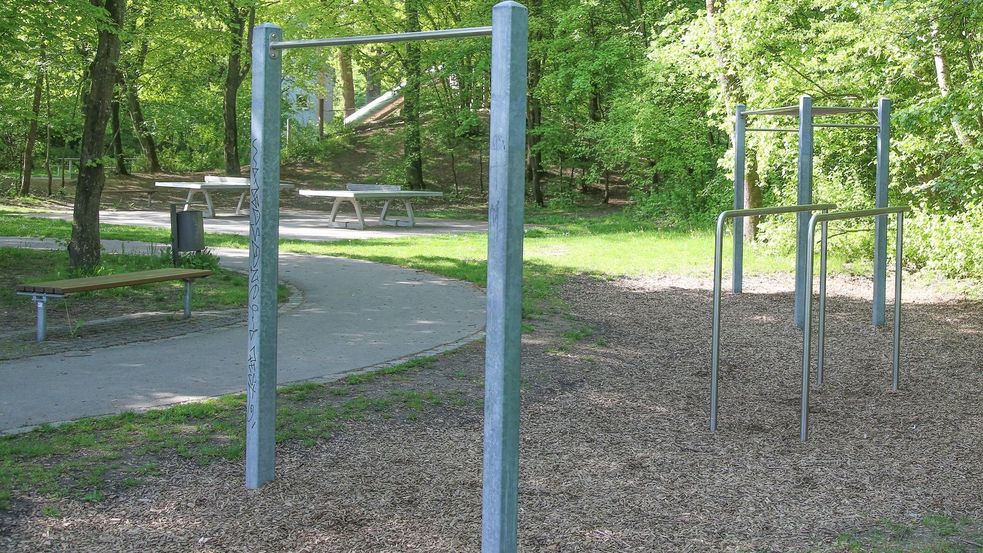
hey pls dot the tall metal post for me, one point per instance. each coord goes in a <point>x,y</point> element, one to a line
<point>264,216</point>
<point>880,200</point>
<point>506,179</point>
<point>740,150</point>
<point>804,198</point>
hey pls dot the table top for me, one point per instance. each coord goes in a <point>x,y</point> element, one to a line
<point>371,193</point>
<point>212,185</point>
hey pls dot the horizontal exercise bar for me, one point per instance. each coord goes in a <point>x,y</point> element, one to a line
<point>761,129</point>
<point>840,215</point>
<point>774,210</point>
<point>844,126</point>
<point>794,111</point>
<point>375,39</point>
<point>784,110</point>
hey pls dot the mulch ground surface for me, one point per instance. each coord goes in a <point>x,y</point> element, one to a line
<point>616,455</point>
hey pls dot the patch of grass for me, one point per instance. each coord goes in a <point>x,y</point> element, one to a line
<point>933,533</point>
<point>577,334</point>
<point>88,458</point>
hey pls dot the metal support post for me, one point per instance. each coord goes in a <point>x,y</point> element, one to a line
<point>821,346</point>
<point>804,197</point>
<point>740,151</point>
<point>187,298</point>
<point>264,200</point>
<point>898,256</point>
<point>499,517</point>
<point>880,200</point>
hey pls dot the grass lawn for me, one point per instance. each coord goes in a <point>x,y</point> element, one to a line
<point>558,246</point>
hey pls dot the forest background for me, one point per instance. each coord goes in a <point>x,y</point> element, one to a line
<point>635,93</point>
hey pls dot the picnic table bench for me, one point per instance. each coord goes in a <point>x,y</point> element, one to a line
<point>214,183</point>
<point>41,291</point>
<point>354,193</point>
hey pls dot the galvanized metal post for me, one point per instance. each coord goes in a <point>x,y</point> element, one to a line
<point>41,330</point>
<point>718,247</point>
<point>804,197</point>
<point>187,298</point>
<point>740,151</point>
<point>264,208</point>
<point>880,200</point>
<point>898,255</point>
<point>506,178</point>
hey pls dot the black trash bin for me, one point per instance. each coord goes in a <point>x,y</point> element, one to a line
<point>187,232</point>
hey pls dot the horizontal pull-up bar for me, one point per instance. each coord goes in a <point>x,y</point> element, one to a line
<point>840,215</point>
<point>731,213</point>
<point>844,126</point>
<point>793,111</point>
<point>375,39</point>
<point>766,129</point>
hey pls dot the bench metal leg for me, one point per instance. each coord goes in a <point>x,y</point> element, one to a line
<point>385,208</point>
<point>41,301</point>
<point>187,299</point>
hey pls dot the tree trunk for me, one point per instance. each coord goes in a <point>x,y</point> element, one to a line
<point>117,141</point>
<point>412,141</point>
<point>140,128</point>
<point>534,157</point>
<point>347,80</point>
<point>733,94</point>
<point>235,73</point>
<point>84,247</point>
<point>942,77</point>
<point>373,85</point>
<point>47,130</point>
<point>27,167</point>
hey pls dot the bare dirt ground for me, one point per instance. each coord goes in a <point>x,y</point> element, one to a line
<point>615,452</point>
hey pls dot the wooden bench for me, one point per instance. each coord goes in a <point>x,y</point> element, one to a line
<point>41,291</point>
<point>355,192</point>
<point>215,183</point>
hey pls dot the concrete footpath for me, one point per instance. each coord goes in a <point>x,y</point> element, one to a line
<point>354,315</point>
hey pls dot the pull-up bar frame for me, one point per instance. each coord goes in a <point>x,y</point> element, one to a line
<point>823,219</point>
<point>806,113</point>
<point>509,45</point>
<point>718,282</point>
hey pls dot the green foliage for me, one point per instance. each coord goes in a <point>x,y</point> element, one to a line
<point>305,146</point>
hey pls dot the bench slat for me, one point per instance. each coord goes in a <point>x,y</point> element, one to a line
<point>87,284</point>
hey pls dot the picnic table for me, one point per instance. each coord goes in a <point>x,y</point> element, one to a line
<point>212,184</point>
<point>356,193</point>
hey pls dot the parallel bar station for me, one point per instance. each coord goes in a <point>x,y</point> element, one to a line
<point>509,44</point>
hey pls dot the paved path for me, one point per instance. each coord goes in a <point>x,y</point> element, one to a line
<point>295,224</point>
<point>355,314</point>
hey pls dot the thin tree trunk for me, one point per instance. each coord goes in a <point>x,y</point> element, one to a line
<point>47,130</point>
<point>140,128</point>
<point>942,77</point>
<point>27,165</point>
<point>240,20</point>
<point>84,247</point>
<point>733,94</point>
<point>117,141</point>
<point>412,141</point>
<point>347,80</point>
<point>534,157</point>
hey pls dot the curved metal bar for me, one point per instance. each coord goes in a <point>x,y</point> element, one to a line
<point>717,279</point>
<point>377,39</point>
<point>824,218</point>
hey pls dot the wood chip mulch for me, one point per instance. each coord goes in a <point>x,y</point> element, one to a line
<point>616,455</point>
